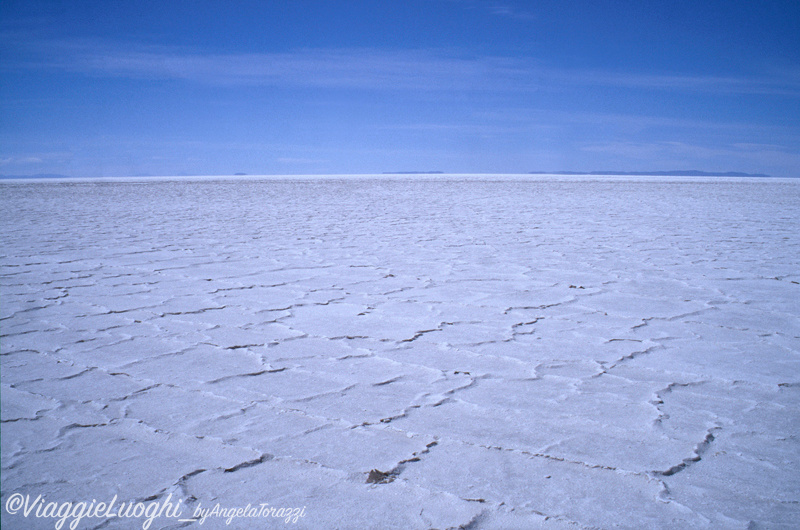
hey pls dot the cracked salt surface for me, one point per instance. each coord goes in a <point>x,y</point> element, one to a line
<point>411,353</point>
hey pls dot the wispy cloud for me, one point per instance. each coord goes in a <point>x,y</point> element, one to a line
<point>738,154</point>
<point>505,10</point>
<point>295,160</point>
<point>427,70</point>
<point>335,68</point>
<point>775,84</point>
<point>34,159</point>
<point>502,9</point>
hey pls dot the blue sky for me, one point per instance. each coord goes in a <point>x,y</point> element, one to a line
<point>166,87</point>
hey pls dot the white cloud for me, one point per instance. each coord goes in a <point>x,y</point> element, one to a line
<point>333,68</point>
<point>505,10</point>
<point>774,159</point>
<point>430,70</point>
<point>32,159</point>
<point>290,160</point>
<point>776,85</point>
<point>498,9</point>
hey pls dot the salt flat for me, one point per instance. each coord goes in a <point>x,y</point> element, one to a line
<point>530,352</point>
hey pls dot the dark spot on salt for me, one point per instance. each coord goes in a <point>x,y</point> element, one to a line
<point>379,477</point>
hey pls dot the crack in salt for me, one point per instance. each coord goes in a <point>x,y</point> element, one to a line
<point>699,450</point>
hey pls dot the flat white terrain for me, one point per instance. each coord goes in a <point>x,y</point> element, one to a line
<point>404,353</point>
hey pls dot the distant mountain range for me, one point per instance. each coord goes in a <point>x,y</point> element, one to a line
<point>676,173</point>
